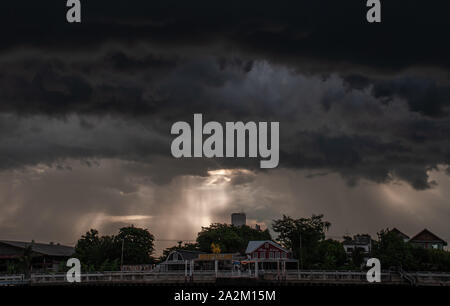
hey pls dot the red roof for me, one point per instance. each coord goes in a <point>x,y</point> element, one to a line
<point>427,236</point>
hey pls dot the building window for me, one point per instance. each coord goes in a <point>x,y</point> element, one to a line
<point>262,255</point>
<point>283,255</point>
<point>277,254</point>
<point>271,255</point>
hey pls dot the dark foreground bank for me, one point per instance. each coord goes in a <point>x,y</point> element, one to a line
<point>225,294</point>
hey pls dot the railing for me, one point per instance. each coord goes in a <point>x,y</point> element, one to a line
<point>6,280</point>
<point>432,278</point>
<point>408,277</point>
<point>112,277</point>
<point>302,276</point>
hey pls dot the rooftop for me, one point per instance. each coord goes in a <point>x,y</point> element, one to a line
<point>253,245</point>
<point>43,248</point>
<point>427,236</point>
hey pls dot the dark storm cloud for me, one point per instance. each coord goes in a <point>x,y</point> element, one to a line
<point>86,110</point>
<point>310,36</point>
<point>348,132</point>
<point>363,100</point>
<point>333,32</point>
<point>423,95</point>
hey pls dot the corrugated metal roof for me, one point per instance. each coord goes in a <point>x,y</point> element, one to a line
<point>42,248</point>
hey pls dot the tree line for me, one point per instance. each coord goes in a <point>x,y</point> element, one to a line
<point>304,237</point>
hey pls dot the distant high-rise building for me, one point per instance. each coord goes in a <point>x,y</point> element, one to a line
<point>238,219</point>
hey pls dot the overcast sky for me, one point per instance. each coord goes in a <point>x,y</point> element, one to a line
<point>86,111</point>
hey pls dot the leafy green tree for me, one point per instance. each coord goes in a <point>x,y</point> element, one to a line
<point>104,252</point>
<point>330,255</point>
<point>357,258</point>
<point>92,250</point>
<point>307,232</point>
<point>439,260</point>
<point>110,265</point>
<point>138,245</point>
<point>230,239</point>
<point>392,251</point>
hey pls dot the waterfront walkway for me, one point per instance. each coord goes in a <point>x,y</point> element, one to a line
<point>290,277</point>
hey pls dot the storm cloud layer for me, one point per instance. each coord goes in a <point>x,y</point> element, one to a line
<point>104,106</point>
<point>357,102</point>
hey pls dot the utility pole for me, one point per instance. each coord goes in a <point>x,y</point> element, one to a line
<point>121,257</point>
<point>300,250</point>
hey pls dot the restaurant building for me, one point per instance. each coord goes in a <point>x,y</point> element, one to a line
<point>42,256</point>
